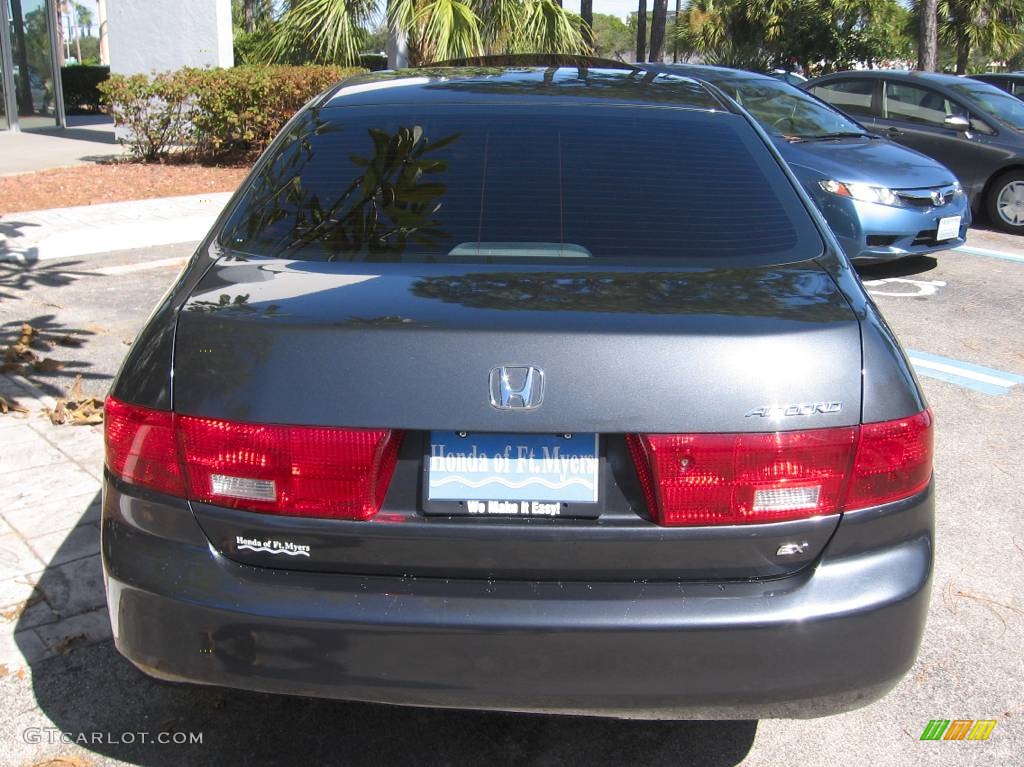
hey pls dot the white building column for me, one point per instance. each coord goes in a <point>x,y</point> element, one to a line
<point>163,35</point>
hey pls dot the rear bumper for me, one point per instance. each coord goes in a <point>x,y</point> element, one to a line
<point>831,638</point>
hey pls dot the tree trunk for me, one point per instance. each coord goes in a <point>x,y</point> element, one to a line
<point>963,56</point>
<point>641,31</point>
<point>928,42</point>
<point>587,13</point>
<point>658,15</point>
<point>397,46</point>
<point>675,32</point>
<point>249,9</point>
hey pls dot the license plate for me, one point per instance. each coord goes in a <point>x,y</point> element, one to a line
<point>949,228</point>
<point>532,475</point>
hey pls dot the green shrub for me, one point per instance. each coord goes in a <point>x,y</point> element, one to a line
<point>373,61</point>
<point>240,110</point>
<point>156,112</point>
<point>80,86</point>
<point>213,114</point>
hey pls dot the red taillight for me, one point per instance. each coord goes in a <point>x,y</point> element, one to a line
<point>730,479</point>
<point>894,460</point>
<point>296,470</point>
<point>301,470</point>
<point>141,447</point>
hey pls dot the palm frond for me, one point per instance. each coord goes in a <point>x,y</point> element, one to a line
<point>331,31</point>
<point>549,28</point>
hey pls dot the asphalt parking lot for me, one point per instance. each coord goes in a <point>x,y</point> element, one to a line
<point>961,317</point>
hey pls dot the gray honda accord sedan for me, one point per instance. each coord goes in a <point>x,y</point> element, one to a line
<point>522,388</point>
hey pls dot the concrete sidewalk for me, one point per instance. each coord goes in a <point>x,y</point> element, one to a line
<point>86,139</point>
<point>51,583</point>
<point>44,235</point>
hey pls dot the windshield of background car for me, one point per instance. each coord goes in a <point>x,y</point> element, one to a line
<point>620,185</point>
<point>1007,108</point>
<point>785,111</point>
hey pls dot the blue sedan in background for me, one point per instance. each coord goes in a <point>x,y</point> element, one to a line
<point>882,200</point>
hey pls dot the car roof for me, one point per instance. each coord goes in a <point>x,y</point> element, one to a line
<point>934,78</point>
<point>713,74</point>
<point>580,82</point>
<point>1005,75</point>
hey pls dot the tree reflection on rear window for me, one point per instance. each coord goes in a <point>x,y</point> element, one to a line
<point>580,184</point>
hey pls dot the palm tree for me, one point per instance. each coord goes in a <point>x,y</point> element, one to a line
<point>321,31</point>
<point>660,12</point>
<point>330,31</point>
<point>587,15</point>
<point>991,26</point>
<point>84,17</point>
<point>928,43</point>
<point>675,31</point>
<point>447,29</point>
<point>641,30</point>
<point>733,33</point>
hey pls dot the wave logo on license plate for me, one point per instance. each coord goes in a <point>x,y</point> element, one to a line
<point>513,474</point>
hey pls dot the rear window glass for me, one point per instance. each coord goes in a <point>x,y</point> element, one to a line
<point>520,183</point>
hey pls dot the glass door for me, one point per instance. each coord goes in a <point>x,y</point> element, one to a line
<point>4,123</point>
<point>34,81</point>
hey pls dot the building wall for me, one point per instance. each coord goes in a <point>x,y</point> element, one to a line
<point>160,35</point>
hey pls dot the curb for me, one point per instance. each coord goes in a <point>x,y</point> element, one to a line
<point>61,233</point>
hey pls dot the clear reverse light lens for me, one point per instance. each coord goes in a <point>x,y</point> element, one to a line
<point>775,499</point>
<point>241,487</point>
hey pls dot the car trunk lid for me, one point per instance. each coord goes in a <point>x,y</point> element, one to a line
<point>623,350</point>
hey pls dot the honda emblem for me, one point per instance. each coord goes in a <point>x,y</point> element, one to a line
<point>517,387</point>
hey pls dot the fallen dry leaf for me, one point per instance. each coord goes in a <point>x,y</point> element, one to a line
<point>48,365</point>
<point>72,640</point>
<point>11,613</point>
<point>76,408</point>
<point>10,406</point>
<point>69,340</point>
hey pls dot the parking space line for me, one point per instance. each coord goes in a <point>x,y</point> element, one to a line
<point>966,374</point>
<point>973,251</point>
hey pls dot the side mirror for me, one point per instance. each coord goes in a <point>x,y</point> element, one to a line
<point>958,123</point>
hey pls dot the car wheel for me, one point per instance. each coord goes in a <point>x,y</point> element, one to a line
<point>1005,202</point>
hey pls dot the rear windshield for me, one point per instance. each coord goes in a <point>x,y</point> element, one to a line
<point>616,185</point>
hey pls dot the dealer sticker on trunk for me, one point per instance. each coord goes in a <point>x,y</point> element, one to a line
<point>513,474</point>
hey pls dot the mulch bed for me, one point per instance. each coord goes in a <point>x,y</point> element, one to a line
<point>112,182</point>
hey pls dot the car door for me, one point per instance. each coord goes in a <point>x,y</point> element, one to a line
<point>915,116</point>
